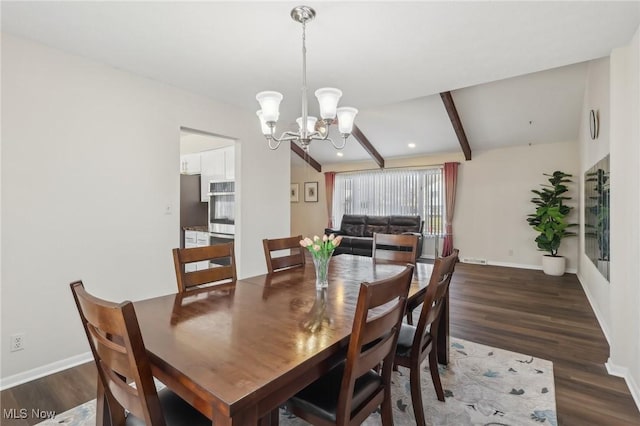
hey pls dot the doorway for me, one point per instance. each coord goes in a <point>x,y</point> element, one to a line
<point>204,158</point>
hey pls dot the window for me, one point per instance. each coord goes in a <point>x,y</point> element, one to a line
<point>392,192</point>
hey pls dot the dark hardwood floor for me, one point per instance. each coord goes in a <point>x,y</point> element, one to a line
<point>515,309</point>
<point>547,317</point>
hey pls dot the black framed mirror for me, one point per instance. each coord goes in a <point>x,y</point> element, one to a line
<point>596,215</point>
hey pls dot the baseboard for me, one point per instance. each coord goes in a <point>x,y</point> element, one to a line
<point>45,370</point>
<point>524,266</point>
<point>618,371</point>
<point>594,307</point>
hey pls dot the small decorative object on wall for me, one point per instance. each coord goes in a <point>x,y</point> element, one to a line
<point>594,123</point>
<point>596,215</point>
<point>311,192</point>
<point>295,192</point>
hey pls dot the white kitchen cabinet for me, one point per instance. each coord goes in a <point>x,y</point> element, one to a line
<point>204,187</point>
<point>196,239</point>
<point>202,239</point>
<point>216,165</point>
<point>190,164</point>
<point>212,163</point>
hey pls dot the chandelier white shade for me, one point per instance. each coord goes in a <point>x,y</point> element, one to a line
<point>328,98</point>
<point>311,123</point>
<point>346,116</point>
<point>269,105</point>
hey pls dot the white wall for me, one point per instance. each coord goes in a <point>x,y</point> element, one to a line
<point>493,201</point>
<point>625,211</point>
<point>90,160</point>
<point>596,97</point>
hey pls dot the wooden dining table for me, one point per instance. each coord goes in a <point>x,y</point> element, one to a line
<point>239,353</point>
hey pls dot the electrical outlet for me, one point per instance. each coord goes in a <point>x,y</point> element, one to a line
<point>17,342</point>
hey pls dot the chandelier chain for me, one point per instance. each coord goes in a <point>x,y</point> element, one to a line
<point>305,113</point>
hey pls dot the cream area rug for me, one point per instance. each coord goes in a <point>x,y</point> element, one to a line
<point>483,386</point>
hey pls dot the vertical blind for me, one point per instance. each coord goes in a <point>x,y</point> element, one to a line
<point>392,192</point>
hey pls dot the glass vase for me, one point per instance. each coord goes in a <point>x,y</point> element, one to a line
<point>322,271</point>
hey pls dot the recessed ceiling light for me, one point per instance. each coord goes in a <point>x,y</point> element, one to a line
<point>339,154</point>
<point>412,145</point>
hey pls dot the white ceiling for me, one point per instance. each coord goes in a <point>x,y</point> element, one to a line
<point>391,59</point>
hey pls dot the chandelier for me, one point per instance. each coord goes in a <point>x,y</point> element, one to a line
<point>309,128</point>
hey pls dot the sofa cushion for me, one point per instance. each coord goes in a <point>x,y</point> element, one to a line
<point>400,224</point>
<point>353,225</point>
<point>376,224</point>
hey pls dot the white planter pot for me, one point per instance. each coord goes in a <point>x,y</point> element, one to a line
<point>553,265</point>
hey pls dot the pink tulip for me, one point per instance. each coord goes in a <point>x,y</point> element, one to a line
<point>316,247</point>
<point>337,240</point>
<point>325,238</point>
<point>303,243</point>
<point>308,242</point>
<point>316,238</point>
<point>331,237</point>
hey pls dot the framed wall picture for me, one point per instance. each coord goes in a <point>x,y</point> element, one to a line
<point>311,192</point>
<point>295,192</point>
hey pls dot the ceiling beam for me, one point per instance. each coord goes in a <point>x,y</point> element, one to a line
<point>362,139</point>
<point>447,99</point>
<point>306,157</point>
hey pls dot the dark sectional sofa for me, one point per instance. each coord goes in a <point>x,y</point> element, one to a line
<point>357,231</point>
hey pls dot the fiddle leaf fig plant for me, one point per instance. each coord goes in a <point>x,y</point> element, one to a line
<point>550,217</point>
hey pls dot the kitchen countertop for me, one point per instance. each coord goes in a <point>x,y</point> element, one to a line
<point>199,228</point>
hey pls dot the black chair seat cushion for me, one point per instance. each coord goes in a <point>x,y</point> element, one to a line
<point>405,340</point>
<point>321,397</point>
<point>176,412</point>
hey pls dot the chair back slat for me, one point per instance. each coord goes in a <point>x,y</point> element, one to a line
<point>288,261</point>
<point>395,247</point>
<point>220,259</point>
<point>111,353</point>
<point>374,336</point>
<point>205,276</point>
<point>126,395</point>
<point>294,258</point>
<point>370,358</point>
<point>118,350</point>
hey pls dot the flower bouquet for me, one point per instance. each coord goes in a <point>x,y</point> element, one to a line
<point>321,250</point>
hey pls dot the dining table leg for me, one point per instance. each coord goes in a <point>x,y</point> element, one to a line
<point>271,419</point>
<point>245,417</point>
<point>442,345</point>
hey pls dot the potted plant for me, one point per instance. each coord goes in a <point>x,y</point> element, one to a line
<point>550,220</point>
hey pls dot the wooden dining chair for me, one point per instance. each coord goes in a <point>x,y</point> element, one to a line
<point>219,257</point>
<point>355,388</point>
<point>295,256</point>
<point>416,343</point>
<point>395,247</point>
<point>449,265</point>
<point>121,358</point>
